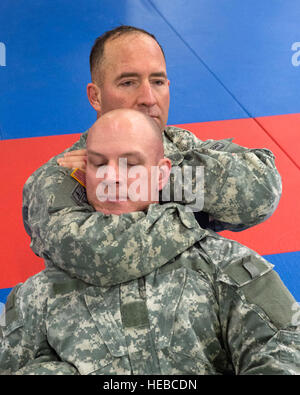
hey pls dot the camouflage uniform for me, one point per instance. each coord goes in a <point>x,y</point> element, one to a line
<point>196,303</point>
<point>54,219</point>
<point>155,293</point>
<point>242,186</point>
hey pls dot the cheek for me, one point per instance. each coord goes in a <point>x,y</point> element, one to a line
<point>112,99</point>
<point>91,181</point>
<point>143,185</point>
<point>165,102</point>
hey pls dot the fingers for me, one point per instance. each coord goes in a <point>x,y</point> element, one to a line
<point>73,159</point>
<point>73,165</point>
<point>78,152</point>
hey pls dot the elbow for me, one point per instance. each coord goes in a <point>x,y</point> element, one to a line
<point>264,201</point>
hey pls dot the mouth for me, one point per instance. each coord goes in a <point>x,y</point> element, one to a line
<point>150,114</point>
<point>156,119</point>
<point>154,116</point>
<point>113,199</point>
<point>116,200</point>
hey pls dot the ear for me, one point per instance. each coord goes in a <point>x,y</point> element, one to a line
<point>165,166</point>
<point>94,96</point>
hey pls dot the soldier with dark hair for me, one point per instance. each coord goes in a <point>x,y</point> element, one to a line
<point>242,186</point>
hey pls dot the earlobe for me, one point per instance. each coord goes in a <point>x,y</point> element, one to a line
<point>165,166</point>
<point>93,94</point>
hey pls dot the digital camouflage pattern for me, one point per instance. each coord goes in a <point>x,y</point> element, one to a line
<point>152,293</point>
<point>215,307</point>
<point>242,187</point>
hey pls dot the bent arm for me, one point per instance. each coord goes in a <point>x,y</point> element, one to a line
<point>23,343</point>
<point>242,186</point>
<point>106,250</point>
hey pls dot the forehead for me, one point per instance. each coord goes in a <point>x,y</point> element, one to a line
<point>122,135</point>
<point>117,131</point>
<point>131,49</point>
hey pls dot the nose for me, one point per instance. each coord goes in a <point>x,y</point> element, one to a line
<point>115,172</point>
<point>146,95</point>
<point>110,176</point>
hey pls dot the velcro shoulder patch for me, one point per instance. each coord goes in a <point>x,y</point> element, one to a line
<point>79,195</point>
<point>247,269</point>
<point>263,288</point>
<point>71,192</point>
<point>270,294</point>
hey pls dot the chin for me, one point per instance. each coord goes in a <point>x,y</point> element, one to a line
<point>113,211</point>
<point>119,209</point>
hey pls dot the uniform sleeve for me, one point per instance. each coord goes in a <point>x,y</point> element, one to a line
<point>242,186</point>
<point>259,318</point>
<point>37,193</point>
<point>24,349</point>
<point>106,250</point>
<point>23,343</point>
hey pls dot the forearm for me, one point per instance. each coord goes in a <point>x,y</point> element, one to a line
<point>105,250</point>
<point>238,189</point>
<point>242,186</point>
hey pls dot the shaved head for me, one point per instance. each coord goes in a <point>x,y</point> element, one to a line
<point>129,122</point>
<point>125,162</point>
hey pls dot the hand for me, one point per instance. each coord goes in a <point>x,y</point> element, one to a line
<point>74,159</point>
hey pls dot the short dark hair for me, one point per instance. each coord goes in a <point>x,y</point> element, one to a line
<point>97,51</point>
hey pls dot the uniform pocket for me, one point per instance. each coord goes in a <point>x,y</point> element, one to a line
<point>83,332</point>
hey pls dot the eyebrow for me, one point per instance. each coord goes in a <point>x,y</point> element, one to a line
<point>133,154</point>
<point>160,74</point>
<point>95,153</point>
<point>136,154</point>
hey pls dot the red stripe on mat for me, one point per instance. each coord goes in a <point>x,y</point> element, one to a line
<point>21,157</point>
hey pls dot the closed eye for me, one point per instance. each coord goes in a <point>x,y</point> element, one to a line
<point>132,164</point>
